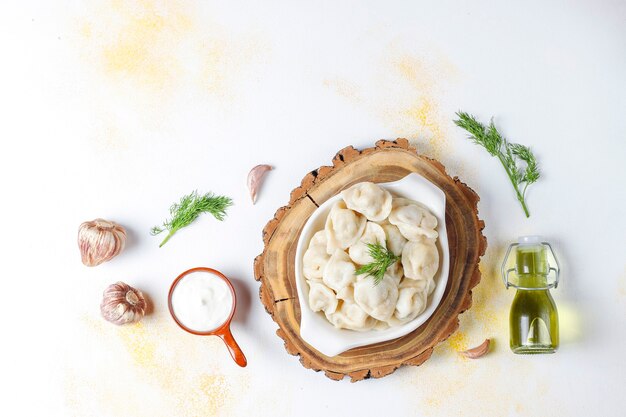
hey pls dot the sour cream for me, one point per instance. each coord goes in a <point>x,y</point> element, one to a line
<point>202,301</point>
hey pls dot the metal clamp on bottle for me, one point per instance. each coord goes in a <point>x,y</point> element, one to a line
<point>552,271</point>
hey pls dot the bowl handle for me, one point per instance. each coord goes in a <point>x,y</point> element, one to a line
<point>233,347</point>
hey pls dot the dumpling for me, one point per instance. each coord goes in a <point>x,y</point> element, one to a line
<point>339,271</point>
<point>346,293</point>
<point>318,239</point>
<point>381,325</point>
<point>321,298</point>
<point>395,272</point>
<point>359,252</point>
<point>369,199</point>
<point>350,316</point>
<point>379,301</point>
<point>315,258</point>
<point>420,260</point>
<point>430,287</point>
<point>395,240</point>
<point>420,284</point>
<point>343,227</point>
<point>314,261</point>
<point>413,220</point>
<point>411,300</point>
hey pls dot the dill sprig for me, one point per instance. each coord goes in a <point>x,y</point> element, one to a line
<point>188,210</point>
<point>383,259</point>
<point>509,154</point>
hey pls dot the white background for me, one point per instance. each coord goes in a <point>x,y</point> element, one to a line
<point>116,109</point>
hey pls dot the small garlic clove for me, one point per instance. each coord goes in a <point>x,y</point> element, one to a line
<point>100,240</point>
<point>122,304</point>
<point>255,177</point>
<point>478,351</point>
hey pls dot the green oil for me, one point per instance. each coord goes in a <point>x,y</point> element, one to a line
<point>534,321</point>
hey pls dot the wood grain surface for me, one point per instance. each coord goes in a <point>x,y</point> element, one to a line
<point>275,267</point>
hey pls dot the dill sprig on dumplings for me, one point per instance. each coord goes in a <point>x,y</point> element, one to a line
<point>189,208</point>
<point>509,154</point>
<point>383,259</point>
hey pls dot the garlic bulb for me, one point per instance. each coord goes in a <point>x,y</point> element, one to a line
<point>100,241</point>
<point>122,304</point>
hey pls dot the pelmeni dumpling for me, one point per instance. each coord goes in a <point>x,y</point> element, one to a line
<point>343,227</point>
<point>313,262</point>
<point>379,301</point>
<point>420,284</point>
<point>381,325</point>
<point>315,258</point>
<point>346,293</point>
<point>373,234</point>
<point>413,220</point>
<point>411,300</point>
<point>420,259</point>
<point>395,272</point>
<point>369,199</point>
<point>319,239</point>
<point>339,271</point>
<point>350,316</point>
<point>321,298</point>
<point>431,286</point>
<point>395,240</point>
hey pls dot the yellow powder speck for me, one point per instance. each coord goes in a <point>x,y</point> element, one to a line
<point>458,341</point>
<point>85,30</point>
<point>343,88</point>
<point>407,98</point>
<point>225,63</point>
<point>424,111</point>
<point>211,393</point>
<point>457,379</point>
<point>433,402</point>
<point>139,344</point>
<point>109,136</point>
<point>488,316</point>
<point>143,45</point>
<point>415,72</point>
<point>215,61</point>
<point>145,55</point>
<point>171,372</point>
<point>161,47</point>
<point>419,115</point>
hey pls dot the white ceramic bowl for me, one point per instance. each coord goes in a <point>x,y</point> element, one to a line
<point>319,332</point>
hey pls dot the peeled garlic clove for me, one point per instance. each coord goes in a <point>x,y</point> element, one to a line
<point>478,351</point>
<point>255,177</point>
<point>122,304</point>
<point>100,241</point>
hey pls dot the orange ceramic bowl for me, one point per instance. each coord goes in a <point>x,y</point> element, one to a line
<point>223,331</point>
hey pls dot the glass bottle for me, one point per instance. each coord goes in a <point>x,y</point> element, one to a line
<point>533,320</point>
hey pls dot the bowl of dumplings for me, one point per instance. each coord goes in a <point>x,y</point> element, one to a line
<point>344,303</point>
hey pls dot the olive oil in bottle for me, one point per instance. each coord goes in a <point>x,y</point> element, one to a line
<point>533,320</point>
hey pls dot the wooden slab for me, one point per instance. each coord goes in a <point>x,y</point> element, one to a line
<point>275,267</point>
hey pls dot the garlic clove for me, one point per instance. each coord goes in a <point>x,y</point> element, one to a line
<point>478,351</point>
<point>100,240</point>
<point>255,178</point>
<point>122,304</point>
